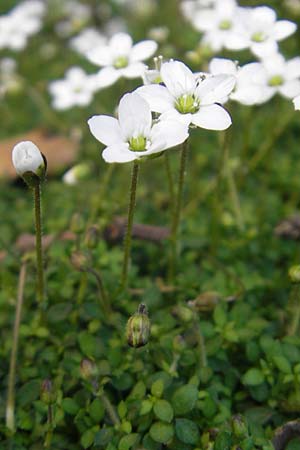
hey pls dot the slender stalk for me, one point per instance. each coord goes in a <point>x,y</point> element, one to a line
<point>127,239</point>
<point>201,346</point>
<point>50,425</point>
<point>294,311</point>
<point>102,292</point>
<point>170,178</point>
<point>177,212</point>
<point>38,245</point>
<point>82,288</point>
<point>110,410</point>
<point>10,405</point>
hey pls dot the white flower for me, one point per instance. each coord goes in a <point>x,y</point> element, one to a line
<point>260,30</point>
<point>219,24</point>
<point>296,102</point>
<point>26,157</point>
<point>120,58</point>
<point>134,135</point>
<point>246,91</point>
<point>76,89</point>
<point>87,40</point>
<point>76,173</point>
<point>189,99</point>
<point>20,23</point>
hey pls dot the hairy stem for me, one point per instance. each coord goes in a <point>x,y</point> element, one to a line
<point>38,236</point>
<point>127,239</point>
<point>10,405</point>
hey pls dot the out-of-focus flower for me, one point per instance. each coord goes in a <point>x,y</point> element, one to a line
<point>296,102</point>
<point>77,173</point>
<point>87,40</point>
<point>190,7</point>
<point>10,82</point>
<point>21,22</point>
<point>76,16</point>
<point>76,89</point>
<point>134,135</point>
<point>190,99</point>
<point>159,34</point>
<point>260,30</point>
<point>120,58</point>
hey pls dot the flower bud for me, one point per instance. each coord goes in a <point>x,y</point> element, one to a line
<point>80,261</point>
<point>29,162</point>
<point>88,369</point>
<point>138,328</point>
<point>77,173</point>
<point>48,395</point>
<point>239,426</point>
<point>294,274</point>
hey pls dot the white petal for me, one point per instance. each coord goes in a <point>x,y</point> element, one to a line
<point>118,153</point>
<point>120,44</point>
<point>101,56</point>
<point>283,29</point>
<point>134,70</point>
<point>143,50</point>
<point>204,20</point>
<point>293,68</point>
<point>212,117</point>
<point>106,129</point>
<point>215,88</point>
<point>158,97</point>
<point>252,94</point>
<point>222,65</point>
<point>178,78</point>
<point>263,15</point>
<point>174,115</point>
<point>296,102</point>
<point>236,41</point>
<point>134,116</point>
<point>264,49</point>
<point>106,77</point>
<point>290,89</point>
<point>26,157</point>
<point>169,132</point>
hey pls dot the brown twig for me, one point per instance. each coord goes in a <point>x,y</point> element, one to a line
<point>285,434</point>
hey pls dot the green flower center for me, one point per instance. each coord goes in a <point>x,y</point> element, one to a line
<point>225,25</point>
<point>121,62</point>
<point>187,104</point>
<point>276,80</point>
<point>259,36</point>
<point>137,144</point>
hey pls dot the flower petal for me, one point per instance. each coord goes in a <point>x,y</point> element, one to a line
<point>178,78</point>
<point>296,102</point>
<point>212,117</point>
<point>100,56</point>
<point>120,44</point>
<point>290,89</point>
<point>158,97</point>
<point>168,132</point>
<point>134,70</point>
<point>106,129</point>
<point>283,29</point>
<point>134,116</point>
<point>106,77</point>
<point>143,50</point>
<point>118,153</point>
<point>215,88</point>
<point>174,115</point>
<point>293,68</point>
<point>222,65</point>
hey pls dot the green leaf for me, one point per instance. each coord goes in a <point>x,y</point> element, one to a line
<point>253,377</point>
<point>163,410</point>
<point>96,410</point>
<point>146,407</point>
<point>220,316</point>
<point>122,409</point>
<point>28,392</point>
<point>184,399</point>
<point>87,439</point>
<point>128,441</point>
<point>70,406</point>
<point>282,363</point>
<point>59,312</point>
<point>89,345</point>
<point>223,441</point>
<point>187,431</point>
<point>157,388</point>
<point>161,432</point>
<point>103,437</point>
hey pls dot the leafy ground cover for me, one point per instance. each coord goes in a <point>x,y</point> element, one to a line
<point>221,369</point>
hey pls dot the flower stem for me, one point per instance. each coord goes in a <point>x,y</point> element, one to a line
<point>38,237</point>
<point>294,310</point>
<point>170,178</point>
<point>49,434</point>
<point>177,212</point>
<point>102,292</point>
<point>127,239</point>
<point>10,405</point>
<point>110,410</point>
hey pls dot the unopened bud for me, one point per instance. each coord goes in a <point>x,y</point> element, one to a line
<point>80,261</point>
<point>77,173</point>
<point>294,274</point>
<point>77,224</point>
<point>29,162</point>
<point>138,328</point>
<point>88,369</point>
<point>239,426</point>
<point>48,395</point>
<point>92,237</point>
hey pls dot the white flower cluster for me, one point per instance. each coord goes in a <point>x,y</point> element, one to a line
<point>225,24</point>
<point>20,23</point>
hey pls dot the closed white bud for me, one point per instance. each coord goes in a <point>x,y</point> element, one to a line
<point>28,161</point>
